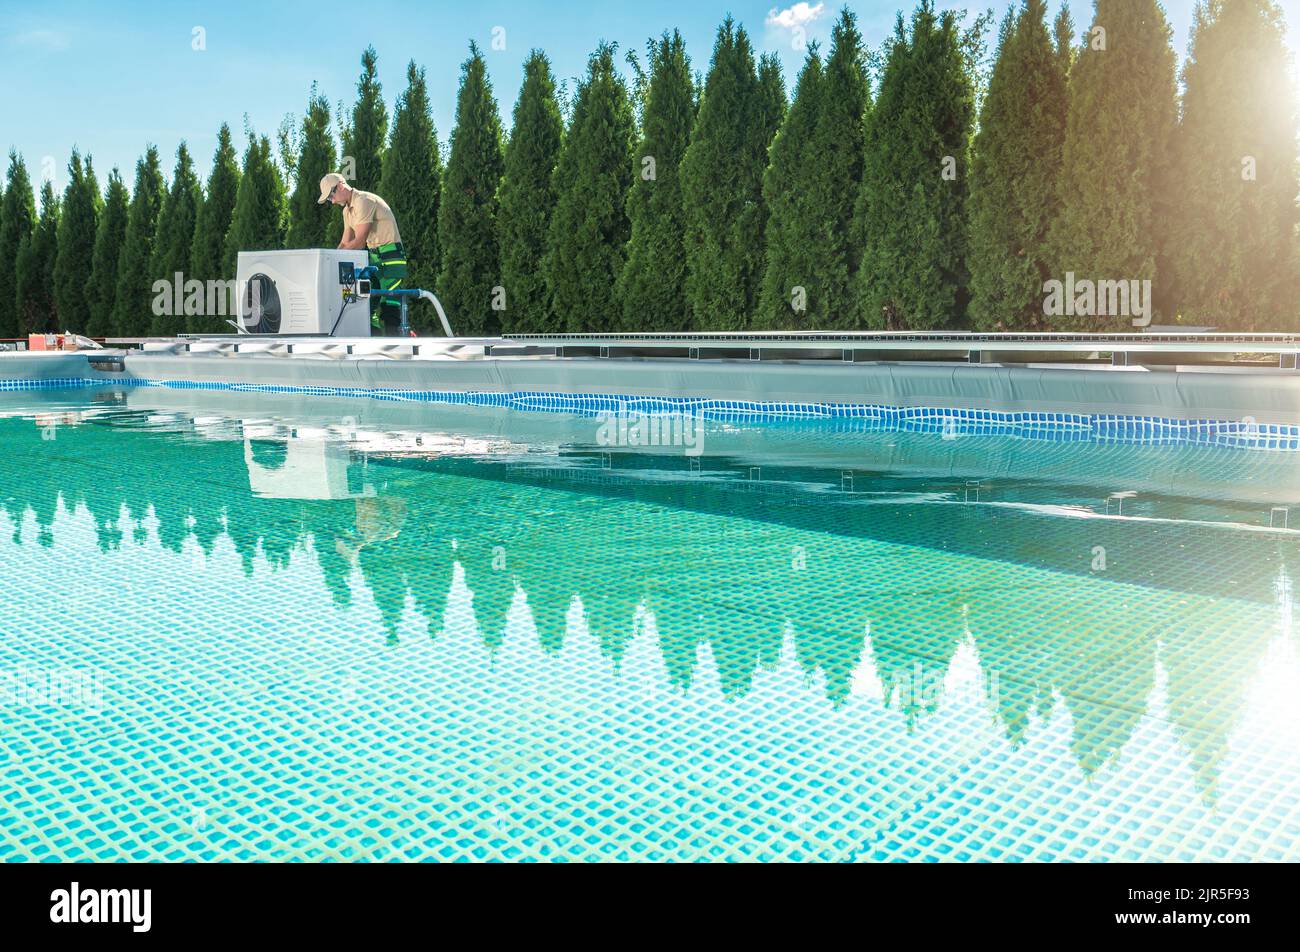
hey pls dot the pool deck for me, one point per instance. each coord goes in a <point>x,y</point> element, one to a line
<point>1162,379</point>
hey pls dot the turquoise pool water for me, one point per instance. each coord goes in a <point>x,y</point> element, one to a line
<point>250,626</point>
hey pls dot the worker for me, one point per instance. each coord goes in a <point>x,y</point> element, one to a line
<point>368,223</point>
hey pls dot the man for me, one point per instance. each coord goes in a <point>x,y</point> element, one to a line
<point>368,223</point>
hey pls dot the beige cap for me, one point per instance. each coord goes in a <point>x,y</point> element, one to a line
<point>328,184</point>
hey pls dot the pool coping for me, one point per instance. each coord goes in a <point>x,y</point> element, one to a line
<point>1251,410</point>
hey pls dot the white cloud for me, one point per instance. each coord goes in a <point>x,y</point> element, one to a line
<point>51,41</point>
<point>798,15</point>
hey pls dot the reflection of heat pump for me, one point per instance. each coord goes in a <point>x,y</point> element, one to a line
<point>300,468</point>
<point>309,291</point>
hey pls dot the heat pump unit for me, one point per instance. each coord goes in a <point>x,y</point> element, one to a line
<point>308,291</point>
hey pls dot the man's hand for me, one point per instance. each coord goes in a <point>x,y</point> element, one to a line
<point>359,234</point>
<point>354,239</point>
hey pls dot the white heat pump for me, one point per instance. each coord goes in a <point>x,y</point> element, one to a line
<point>306,291</point>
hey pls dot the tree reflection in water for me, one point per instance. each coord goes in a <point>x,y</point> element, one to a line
<point>895,576</point>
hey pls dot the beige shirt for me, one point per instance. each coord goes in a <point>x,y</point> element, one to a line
<point>367,207</point>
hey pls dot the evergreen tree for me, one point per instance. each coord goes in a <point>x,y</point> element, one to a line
<point>791,190</point>
<point>207,254</point>
<point>528,199</point>
<point>772,107</point>
<point>772,104</point>
<point>78,218</point>
<point>175,236</point>
<point>1063,35</point>
<point>652,286</point>
<point>34,300</point>
<point>3,192</point>
<point>17,221</point>
<point>309,221</point>
<point>840,148</point>
<point>132,310</point>
<point>363,135</point>
<point>110,236</point>
<point>810,190</point>
<point>258,221</point>
<point>1233,224</point>
<point>911,209</point>
<point>412,186</point>
<point>364,138</point>
<point>590,229</point>
<point>467,216</point>
<point>1116,152</point>
<point>722,184</point>
<point>1015,193</point>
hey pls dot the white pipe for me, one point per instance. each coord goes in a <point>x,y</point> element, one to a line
<point>442,315</point>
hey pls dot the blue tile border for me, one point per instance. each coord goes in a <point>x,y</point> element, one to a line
<point>48,383</point>
<point>1036,425</point>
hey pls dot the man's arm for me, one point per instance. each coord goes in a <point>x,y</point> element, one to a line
<point>344,242</point>
<point>355,239</point>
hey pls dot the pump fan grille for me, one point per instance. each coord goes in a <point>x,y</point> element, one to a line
<point>260,313</point>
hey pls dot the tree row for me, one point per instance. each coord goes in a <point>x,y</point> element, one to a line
<point>912,186</point>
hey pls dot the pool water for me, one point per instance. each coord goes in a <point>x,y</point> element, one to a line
<point>257,626</point>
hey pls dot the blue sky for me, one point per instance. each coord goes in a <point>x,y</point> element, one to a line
<point>110,78</point>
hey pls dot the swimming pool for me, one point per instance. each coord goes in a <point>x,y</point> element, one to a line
<point>260,626</point>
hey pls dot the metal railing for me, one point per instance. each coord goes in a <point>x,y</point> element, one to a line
<point>1279,351</point>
